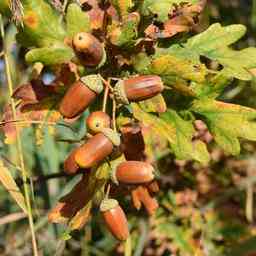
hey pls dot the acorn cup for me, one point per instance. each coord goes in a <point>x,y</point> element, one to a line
<point>96,121</point>
<point>138,88</point>
<point>133,172</point>
<point>97,148</point>
<point>79,96</point>
<point>88,49</point>
<point>115,219</point>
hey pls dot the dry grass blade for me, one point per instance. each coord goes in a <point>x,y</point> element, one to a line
<point>11,186</point>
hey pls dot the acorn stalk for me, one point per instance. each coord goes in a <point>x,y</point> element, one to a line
<point>138,88</point>
<point>115,219</point>
<point>97,148</point>
<point>80,95</point>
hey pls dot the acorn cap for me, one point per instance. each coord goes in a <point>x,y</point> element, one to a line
<point>108,204</point>
<point>93,82</point>
<point>120,94</point>
<point>112,135</point>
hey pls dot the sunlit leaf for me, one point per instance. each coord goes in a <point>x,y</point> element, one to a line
<point>227,122</point>
<point>56,54</point>
<point>213,43</point>
<point>162,7</point>
<point>77,20</point>
<point>156,104</point>
<point>10,185</point>
<point>41,25</point>
<point>177,131</point>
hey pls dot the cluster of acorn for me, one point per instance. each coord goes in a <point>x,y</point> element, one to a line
<point>104,140</point>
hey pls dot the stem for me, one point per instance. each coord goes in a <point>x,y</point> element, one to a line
<point>105,98</point>
<point>19,144</point>
<point>128,246</point>
<point>114,114</point>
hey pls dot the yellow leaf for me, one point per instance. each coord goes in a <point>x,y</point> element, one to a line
<point>11,186</point>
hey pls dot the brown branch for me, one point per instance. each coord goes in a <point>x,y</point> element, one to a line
<point>44,178</point>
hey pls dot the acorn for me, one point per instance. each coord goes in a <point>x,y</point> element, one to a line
<point>88,49</point>
<point>79,96</point>
<point>70,165</point>
<point>133,172</point>
<point>138,88</point>
<point>97,148</point>
<point>115,219</point>
<point>96,121</point>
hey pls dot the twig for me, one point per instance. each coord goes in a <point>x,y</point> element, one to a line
<point>114,114</point>
<point>6,159</point>
<point>43,178</point>
<point>106,83</point>
<point>12,218</point>
<point>105,98</point>
<point>19,144</point>
<point>21,122</point>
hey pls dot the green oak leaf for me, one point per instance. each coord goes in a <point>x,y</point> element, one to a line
<point>213,44</point>
<point>227,122</point>
<point>156,104</point>
<point>162,7</point>
<point>170,66</point>
<point>56,54</point>
<point>183,147</point>
<point>77,20</point>
<point>41,25</point>
<point>176,131</point>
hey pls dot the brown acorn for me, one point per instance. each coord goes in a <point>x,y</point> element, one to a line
<point>97,148</point>
<point>70,165</point>
<point>96,121</point>
<point>115,219</point>
<point>88,48</point>
<point>138,88</point>
<point>133,172</point>
<point>80,95</point>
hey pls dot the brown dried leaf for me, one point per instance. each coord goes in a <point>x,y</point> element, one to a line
<point>70,204</point>
<point>133,142</point>
<point>33,92</point>
<point>183,19</point>
<point>96,15</point>
<point>140,195</point>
